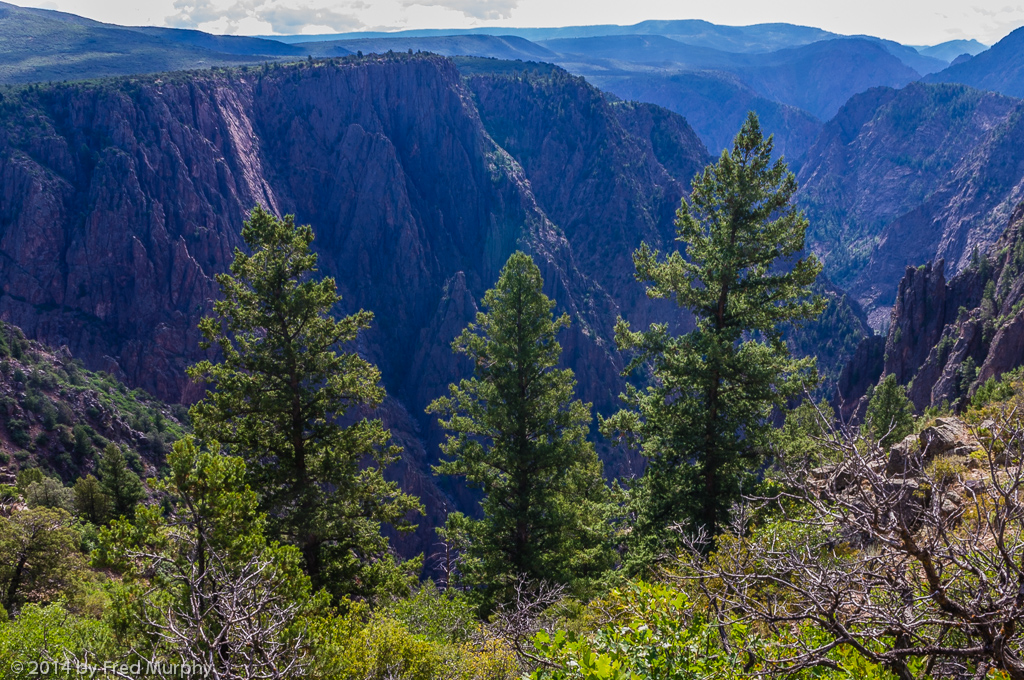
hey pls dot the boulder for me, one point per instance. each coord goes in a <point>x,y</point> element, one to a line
<point>905,457</point>
<point>947,436</point>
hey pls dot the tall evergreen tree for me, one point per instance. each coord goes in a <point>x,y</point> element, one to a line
<point>517,434</point>
<point>703,423</point>
<point>278,398</point>
<point>890,414</point>
<point>118,482</point>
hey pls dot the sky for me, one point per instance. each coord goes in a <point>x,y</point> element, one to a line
<point>912,22</point>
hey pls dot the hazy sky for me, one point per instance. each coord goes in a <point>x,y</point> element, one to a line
<point>915,22</point>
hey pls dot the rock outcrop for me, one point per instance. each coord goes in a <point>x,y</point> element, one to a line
<point>946,337</point>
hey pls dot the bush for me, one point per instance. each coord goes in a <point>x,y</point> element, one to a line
<point>28,476</point>
<point>358,646</point>
<point>83,443</point>
<point>438,616</point>
<point>946,469</point>
<point>65,416</point>
<point>997,390</point>
<point>48,493</point>
<point>20,434</point>
<point>34,400</point>
<point>42,633</point>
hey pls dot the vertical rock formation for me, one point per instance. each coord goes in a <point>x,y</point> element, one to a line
<point>946,337</point>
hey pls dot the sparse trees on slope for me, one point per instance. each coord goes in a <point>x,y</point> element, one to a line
<point>517,434</point>
<point>278,397</point>
<point>703,423</point>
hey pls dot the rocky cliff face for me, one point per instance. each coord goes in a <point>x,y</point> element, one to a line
<point>898,178</point>
<point>947,336</point>
<point>121,200</point>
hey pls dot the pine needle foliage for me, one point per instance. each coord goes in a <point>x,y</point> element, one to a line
<point>517,433</point>
<point>890,414</point>
<point>280,397</point>
<point>703,423</point>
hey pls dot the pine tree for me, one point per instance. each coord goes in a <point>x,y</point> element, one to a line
<point>278,397</point>
<point>890,415</point>
<point>517,434</point>
<point>703,422</point>
<point>91,503</point>
<point>118,482</point>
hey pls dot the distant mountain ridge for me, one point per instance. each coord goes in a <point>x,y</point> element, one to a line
<point>999,68</point>
<point>951,49</point>
<point>705,71</point>
<point>754,38</point>
<point>41,45</point>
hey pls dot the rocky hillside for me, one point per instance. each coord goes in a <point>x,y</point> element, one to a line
<point>900,177</point>
<point>56,415</point>
<point>950,335</point>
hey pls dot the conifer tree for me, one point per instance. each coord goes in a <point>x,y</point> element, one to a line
<point>90,501</point>
<point>278,397</point>
<point>119,482</point>
<point>516,433</point>
<point>703,422</point>
<point>890,414</point>
<point>205,583</point>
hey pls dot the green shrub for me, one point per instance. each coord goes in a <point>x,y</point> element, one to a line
<point>27,477</point>
<point>48,493</point>
<point>20,434</point>
<point>43,633</point>
<point>890,415</point>
<point>946,469</point>
<point>83,442</point>
<point>358,646</point>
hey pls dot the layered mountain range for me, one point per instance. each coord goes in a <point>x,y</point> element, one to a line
<point>900,177</point>
<point>794,76</point>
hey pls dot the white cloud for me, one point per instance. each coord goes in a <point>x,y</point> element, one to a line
<point>487,10</point>
<point>265,16</point>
